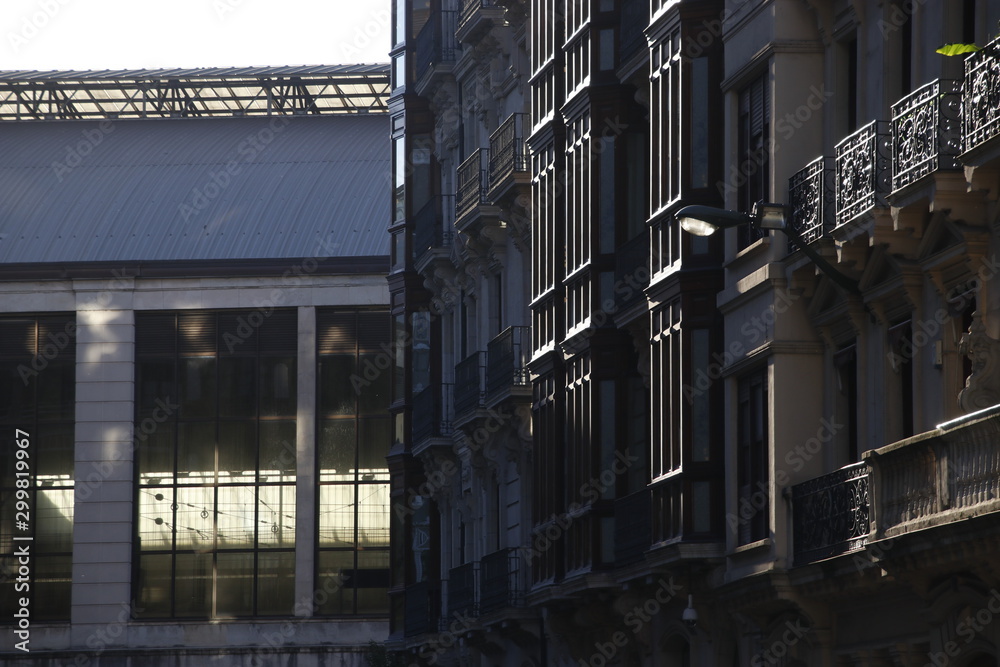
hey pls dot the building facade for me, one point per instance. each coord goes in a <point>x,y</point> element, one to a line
<point>192,302</point>
<point>734,458</point>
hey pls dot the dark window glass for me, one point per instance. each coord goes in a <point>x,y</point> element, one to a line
<point>751,442</point>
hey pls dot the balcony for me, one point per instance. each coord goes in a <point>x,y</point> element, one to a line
<point>422,609</point>
<point>498,578</point>
<point>432,235</point>
<point>864,171</point>
<point>473,184</point>
<point>470,384</point>
<point>507,363</point>
<point>810,198</point>
<point>926,132</point>
<point>830,514</point>
<point>508,158</point>
<point>981,99</point>
<point>436,43</point>
<point>432,413</point>
<point>477,17</point>
<point>945,476</point>
<point>462,585</point>
<point>633,534</point>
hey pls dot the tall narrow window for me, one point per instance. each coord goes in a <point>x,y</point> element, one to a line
<point>846,365</point>
<point>353,437</point>
<point>753,142</point>
<point>752,457</point>
<point>37,409</point>
<point>900,380</point>
<point>215,457</point>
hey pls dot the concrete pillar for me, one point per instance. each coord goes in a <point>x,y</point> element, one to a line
<point>102,530</point>
<point>305,484</point>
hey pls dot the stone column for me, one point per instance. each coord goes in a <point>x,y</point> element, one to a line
<point>305,484</point>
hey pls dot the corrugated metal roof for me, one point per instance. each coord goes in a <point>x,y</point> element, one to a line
<point>160,190</point>
<point>201,72</point>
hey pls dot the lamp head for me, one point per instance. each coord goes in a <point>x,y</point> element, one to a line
<point>705,220</point>
<point>770,216</point>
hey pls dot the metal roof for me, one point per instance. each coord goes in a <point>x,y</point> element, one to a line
<point>185,93</point>
<point>197,189</point>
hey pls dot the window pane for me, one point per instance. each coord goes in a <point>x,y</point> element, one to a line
<point>335,573</point>
<point>237,387</point>
<point>195,518</point>
<point>276,516</point>
<point>154,385</point>
<point>336,515</point>
<point>373,448</point>
<point>156,455</point>
<point>277,451</point>
<point>237,452</point>
<point>197,387</point>
<point>57,387</point>
<point>154,586</point>
<point>156,519</point>
<point>275,583</point>
<point>54,519</point>
<point>337,450</point>
<point>372,581</point>
<point>53,446</point>
<point>373,393</point>
<point>278,387</point>
<point>17,402</point>
<point>196,454</point>
<point>236,523</point>
<point>337,396</point>
<point>373,515</point>
<point>235,585</point>
<point>193,585</point>
<point>53,579</point>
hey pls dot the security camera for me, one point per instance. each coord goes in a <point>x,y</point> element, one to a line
<point>690,616</point>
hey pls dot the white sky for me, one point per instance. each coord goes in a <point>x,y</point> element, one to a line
<point>137,34</point>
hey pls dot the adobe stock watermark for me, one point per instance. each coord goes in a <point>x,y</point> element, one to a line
<point>775,653</point>
<point>75,153</point>
<point>967,629</point>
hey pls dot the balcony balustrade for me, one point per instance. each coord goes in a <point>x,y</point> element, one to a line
<point>981,97</point>
<point>810,198</point>
<point>430,231</point>
<point>498,577</point>
<point>470,383</point>
<point>830,514</point>
<point>864,171</point>
<point>422,609</point>
<point>926,132</point>
<point>508,152</point>
<point>633,534</point>
<point>463,582</point>
<point>432,412</point>
<point>473,182</point>
<point>436,42</point>
<point>507,361</point>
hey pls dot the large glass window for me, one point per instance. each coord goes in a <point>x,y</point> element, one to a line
<point>37,398</point>
<point>752,457</point>
<point>215,457</point>
<point>353,437</point>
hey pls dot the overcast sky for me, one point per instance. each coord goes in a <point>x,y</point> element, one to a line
<point>135,34</point>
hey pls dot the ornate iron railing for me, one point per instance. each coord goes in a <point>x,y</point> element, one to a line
<point>498,578</point>
<point>934,480</point>
<point>429,227</point>
<point>864,171</point>
<point>432,412</point>
<point>436,43</point>
<point>463,582</point>
<point>470,7</point>
<point>810,197</point>
<point>830,514</point>
<point>635,18</point>
<point>507,360</point>
<point>472,182</point>
<point>633,531</point>
<point>508,153</point>
<point>926,132</point>
<point>470,383</point>
<point>981,96</point>
<point>422,608</point>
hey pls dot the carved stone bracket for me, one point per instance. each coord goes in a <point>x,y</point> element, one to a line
<point>982,388</point>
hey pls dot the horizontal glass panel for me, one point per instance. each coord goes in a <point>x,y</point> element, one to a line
<point>336,515</point>
<point>373,515</point>
<point>236,521</point>
<point>335,570</point>
<point>275,583</point>
<point>373,392</point>
<point>155,579</point>
<point>196,453</point>
<point>336,391</point>
<point>277,451</point>
<point>276,516</point>
<point>337,450</point>
<point>155,387</point>
<point>234,585</point>
<point>195,518</point>
<point>52,587</point>
<point>54,461</point>
<point>278,384</point>
<point>156,519</point>
<point>193,585</point>
<point>197,387</point>
<point>54,520</point>
<point>237,387</point>
<point>373,446</point>
<point>237,452</point>
<point>155,451</point>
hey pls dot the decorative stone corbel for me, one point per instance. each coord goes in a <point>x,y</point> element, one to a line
<point>982,388</point>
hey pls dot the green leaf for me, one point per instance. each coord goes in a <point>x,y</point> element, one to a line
<point>957,49</point>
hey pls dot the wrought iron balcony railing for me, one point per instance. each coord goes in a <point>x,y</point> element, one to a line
<point>830,514</point>
<point>470,383</point>
<point>631,38</point>
<point>981,97</point>
<point>432,412</point>
<point>864,171</point>
<point>508,152</point>
<point>498,578</point>
<point>463,582</point>
<point>930,481</point>
<point>926,132</point>
<point>633,531</point>
<point>810,197</point>
<point>422,608</point>
<point>473,181</point>
<point>507,360</point>
<point>436,42</point>
<point>430,229</point>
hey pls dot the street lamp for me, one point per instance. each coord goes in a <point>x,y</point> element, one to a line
<point>705,220</point>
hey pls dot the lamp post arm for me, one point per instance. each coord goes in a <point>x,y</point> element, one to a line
<point>847,284</point>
